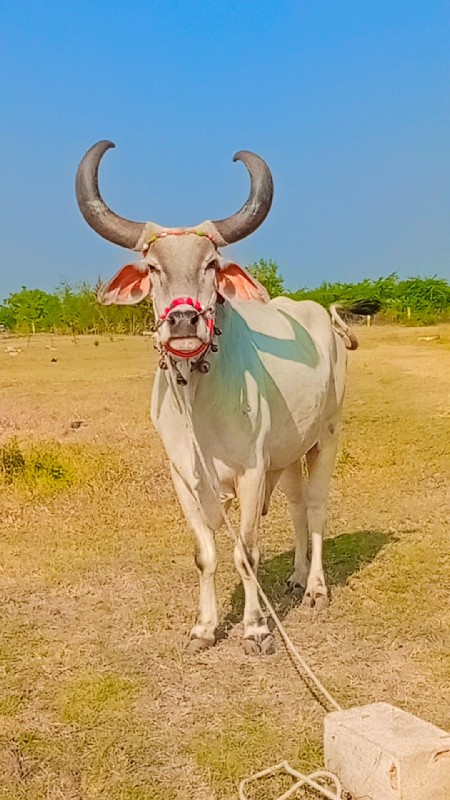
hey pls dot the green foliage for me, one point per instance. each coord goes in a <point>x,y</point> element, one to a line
<point>70,309</point>
<point>75,310</point>
<point>414,301</point>
<point>268,273</point>
<point>40,468</point>
<point>29,311</point>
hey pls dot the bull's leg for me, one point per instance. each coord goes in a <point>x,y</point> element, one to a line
<point>203,633</point>
<point>293,485</point>
<point>251,494</point>
<point>320,467</point>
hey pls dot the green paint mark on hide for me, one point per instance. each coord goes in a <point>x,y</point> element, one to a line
<point>301,349</point>
<point>241,355</point>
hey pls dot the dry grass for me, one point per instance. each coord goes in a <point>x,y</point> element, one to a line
<point>98,586</point>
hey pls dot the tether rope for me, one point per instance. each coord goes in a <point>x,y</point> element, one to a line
<point>290,646</point>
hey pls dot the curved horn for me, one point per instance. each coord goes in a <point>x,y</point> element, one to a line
<point>94,209</point>
<point>258,203</point>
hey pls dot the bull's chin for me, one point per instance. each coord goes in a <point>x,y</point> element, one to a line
<point>186,347</point>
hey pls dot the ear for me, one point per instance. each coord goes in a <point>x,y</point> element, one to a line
<point>128,286</point>
<point>235,283</point>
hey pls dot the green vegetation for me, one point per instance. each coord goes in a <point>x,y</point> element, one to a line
<point>75,310</point>
<point>268,273</point>
<point>92,696</point>
<point>71,309</point>
<point>39,467</point>
<point>414,301</point>
<point>45,468</point>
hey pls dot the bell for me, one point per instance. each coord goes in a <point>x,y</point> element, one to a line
<point>204,367</point>
<point>217,331</point>
<point>163,364</point>
<point>180,380</point>
<point>214,348</point>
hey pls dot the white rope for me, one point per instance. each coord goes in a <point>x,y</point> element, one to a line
<point>302,780</point>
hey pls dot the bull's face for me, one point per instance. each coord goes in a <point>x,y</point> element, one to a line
<point>183,274</point>
<point>181,268</point>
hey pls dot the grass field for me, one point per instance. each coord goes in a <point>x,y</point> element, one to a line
<point>99,590</point>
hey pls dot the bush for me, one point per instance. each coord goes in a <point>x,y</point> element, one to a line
<point>419,301</point>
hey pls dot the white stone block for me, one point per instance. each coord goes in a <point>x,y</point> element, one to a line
<point>382,753</point>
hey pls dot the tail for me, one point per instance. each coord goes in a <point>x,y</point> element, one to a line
<point>340,314</point>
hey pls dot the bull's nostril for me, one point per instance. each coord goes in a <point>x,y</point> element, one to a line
<point>183,322</point>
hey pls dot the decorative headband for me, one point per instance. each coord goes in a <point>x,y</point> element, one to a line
<point>163,235</point>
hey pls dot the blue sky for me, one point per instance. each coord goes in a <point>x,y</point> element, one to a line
<point>348,102</point>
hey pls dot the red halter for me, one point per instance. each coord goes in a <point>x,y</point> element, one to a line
<point>187,301</point>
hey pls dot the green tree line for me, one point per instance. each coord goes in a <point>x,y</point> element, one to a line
<point>75,310</point>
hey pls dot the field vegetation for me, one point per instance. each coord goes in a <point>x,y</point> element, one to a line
<point>74,309</point>
<point>98,700</point>
<point>414,301</point>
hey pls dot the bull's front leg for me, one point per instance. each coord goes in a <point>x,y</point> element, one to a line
<point>251,494</point>
<point>203,634</point>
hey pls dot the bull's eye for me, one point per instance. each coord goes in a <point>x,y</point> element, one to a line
<point>214,264</point>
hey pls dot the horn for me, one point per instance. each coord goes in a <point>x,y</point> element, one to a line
<point>258,203</point>
<point>94,209</point>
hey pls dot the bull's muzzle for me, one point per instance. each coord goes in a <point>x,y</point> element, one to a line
<point>185,331</point>
<point>183,322</point>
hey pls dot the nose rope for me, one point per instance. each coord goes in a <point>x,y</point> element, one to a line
<point>182,301</point>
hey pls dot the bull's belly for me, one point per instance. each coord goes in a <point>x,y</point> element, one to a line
<point>272,435</point>
<point>277,449</point>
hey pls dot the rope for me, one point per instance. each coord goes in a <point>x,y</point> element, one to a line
<point>290,646</point>
<point>309,780</point>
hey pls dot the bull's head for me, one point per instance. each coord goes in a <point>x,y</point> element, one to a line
<point>181,268</point>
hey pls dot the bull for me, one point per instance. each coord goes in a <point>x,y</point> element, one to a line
<point>262,397</point>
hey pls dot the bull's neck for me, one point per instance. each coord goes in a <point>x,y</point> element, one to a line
<point>224,389</point>
<point>226,365</point>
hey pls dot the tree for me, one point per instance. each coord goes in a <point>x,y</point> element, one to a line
<point>30,310</point>
<point>268,273</point>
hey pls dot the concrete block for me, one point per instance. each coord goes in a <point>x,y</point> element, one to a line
<point>382,753</point>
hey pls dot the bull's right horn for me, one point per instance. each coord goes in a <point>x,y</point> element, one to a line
<point>94,209</point>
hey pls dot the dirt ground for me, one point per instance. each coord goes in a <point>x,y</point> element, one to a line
<point>98,587</point>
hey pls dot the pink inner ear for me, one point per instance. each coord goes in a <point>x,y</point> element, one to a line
<point>236,283</point>
<point>128,286</point>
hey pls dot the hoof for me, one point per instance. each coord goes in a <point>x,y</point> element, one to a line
<point>196,645</point>
<point>295,588</point>
<point>264,647</point>
<point>317,601</point>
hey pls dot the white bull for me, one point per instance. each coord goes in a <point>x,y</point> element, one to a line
<point>261,397</point>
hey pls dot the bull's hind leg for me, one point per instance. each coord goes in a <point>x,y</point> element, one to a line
<point>203,634</point>
<point>251,493</point>
<point>320,467</point>
<point>293,485</point>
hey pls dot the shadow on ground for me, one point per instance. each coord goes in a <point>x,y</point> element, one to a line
<point>343,556</point>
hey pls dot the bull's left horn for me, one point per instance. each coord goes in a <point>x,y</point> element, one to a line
<point>255,210</point>
<point>94,209</point>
